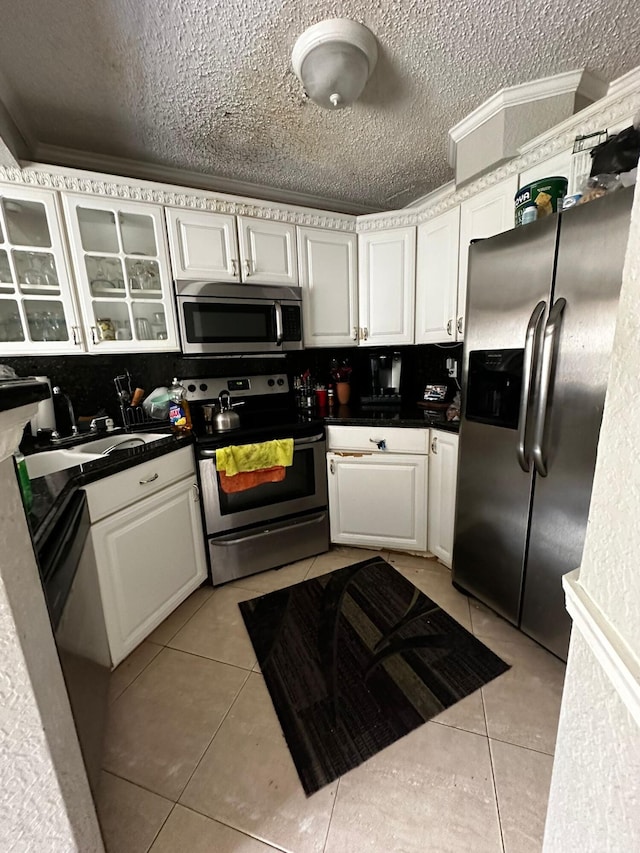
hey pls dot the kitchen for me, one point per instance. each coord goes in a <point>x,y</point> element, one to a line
<point>163,375</point>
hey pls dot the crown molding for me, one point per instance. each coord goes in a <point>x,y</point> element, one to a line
<point>91,183</point>
<point>581,82</point>
<point>157,173</point>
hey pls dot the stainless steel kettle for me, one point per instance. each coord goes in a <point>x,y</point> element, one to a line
<point>225,418</point>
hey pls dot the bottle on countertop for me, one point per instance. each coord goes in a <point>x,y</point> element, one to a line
<point>23,480</point>
<point>179,414</point>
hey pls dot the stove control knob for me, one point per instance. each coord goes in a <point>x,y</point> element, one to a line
<point>203,386</point>
<point>191,388</point>
<point>271,383</point>
<point>280,381</point>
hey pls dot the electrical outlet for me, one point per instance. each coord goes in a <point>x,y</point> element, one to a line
<point>452,368</point>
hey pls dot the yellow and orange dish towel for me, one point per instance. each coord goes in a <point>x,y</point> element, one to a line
<point>245,466</point>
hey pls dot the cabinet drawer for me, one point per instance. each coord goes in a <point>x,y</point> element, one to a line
<point>119,490</point>
<point>365,439</point>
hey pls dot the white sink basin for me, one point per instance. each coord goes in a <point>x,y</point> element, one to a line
<point>49,461</point>
<point>123,441</point>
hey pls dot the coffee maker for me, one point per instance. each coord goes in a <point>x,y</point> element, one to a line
<point>384,379</point>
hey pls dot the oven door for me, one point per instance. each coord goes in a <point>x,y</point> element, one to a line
<point>226,325</point>
<point>304,488</point>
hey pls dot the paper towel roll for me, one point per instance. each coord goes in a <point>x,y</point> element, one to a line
<point>44,417</point>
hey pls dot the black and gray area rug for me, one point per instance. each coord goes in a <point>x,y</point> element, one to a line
<point>356,659</point>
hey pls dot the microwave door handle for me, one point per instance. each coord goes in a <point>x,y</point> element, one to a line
<point>279,324</point>
<point>549,353</point>
<point>530,350</point>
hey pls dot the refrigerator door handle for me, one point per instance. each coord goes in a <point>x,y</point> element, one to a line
<point>530,349</point>
<point>549,349</point>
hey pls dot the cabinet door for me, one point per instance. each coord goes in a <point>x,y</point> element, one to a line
<point>328,270</point>
<point>387,274</point>
<point>267,252</point>
<point>37,310</point>
<point>378,501</point>
<point>443,473</point>
<point>150,557</point>
<point>122,271</point>
<point>437,278</point>
<point>203,245</point>
<point>486,214</point>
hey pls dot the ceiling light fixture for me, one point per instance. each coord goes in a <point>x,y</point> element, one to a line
<point>333,60</point>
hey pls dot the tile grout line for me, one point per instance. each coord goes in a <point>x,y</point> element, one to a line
<point>155,837</point>
<point>493,773</point>
<point>272,845</point>
<point>213,660</point>
<point>135,678</point>
<point>335,800</point>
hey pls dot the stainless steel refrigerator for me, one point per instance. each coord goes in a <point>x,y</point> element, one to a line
<point>541,312</point>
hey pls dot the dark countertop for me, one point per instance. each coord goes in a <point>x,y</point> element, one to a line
<point>406,416</point>
<point>20,392</point>
<point>52,492</point>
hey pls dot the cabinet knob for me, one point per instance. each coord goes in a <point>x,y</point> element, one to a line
<point>196,493</point>
<point>234,267</point>
<point>94,335</point>
<point>434,445</point>
<point>332,467</point>
<point>365,333</point>
<point>459,325</point>
<point>380,443</point>
<point>355,333</point>
<point>450,327</point>
<point>75,331</point>
<point>247,266</point>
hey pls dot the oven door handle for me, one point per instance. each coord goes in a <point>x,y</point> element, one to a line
<point>279,323</point>
<point>298,442</point>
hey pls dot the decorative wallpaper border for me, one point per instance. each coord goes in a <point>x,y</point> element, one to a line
<point>76,181</point>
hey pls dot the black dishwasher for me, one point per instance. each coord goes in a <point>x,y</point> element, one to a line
<point>69,578</point>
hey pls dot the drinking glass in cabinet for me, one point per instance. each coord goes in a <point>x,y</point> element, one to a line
<point>105,276</point>
<point>98,231</point>
<point>10,322</point>
<point>138,234</point>
<point>27,223</point>
<point>5,273</point>
<point>36,270</point>
<point>159,326</point>
<point>45,320</point>
<point>144,278</point>
<point>143,329</point>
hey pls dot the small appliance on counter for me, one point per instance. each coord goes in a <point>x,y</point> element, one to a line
<point>384,380</point>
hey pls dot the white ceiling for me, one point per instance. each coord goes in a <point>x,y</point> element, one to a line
<point>207,86</point>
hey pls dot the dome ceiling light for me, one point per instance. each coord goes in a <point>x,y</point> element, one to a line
<point>333,60</point>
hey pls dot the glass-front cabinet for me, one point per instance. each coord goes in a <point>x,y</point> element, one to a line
<point>120,259</point>
<point>37,310</point>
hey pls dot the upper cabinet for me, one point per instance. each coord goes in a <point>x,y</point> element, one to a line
<point>328,277</point>
<point>219,247</point>
<point>122,271</point>
<point>203,245</point>
<point>37,310</point>
<point>386,285</point>
<point>488,213</point>
<point>437,278</point>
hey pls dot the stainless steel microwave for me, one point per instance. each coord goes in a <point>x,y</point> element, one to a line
<point>216,319</point>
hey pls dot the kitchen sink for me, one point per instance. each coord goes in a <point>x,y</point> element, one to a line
<point>50,461</point>
<point>114,443</point>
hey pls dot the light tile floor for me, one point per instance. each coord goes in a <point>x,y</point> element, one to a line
<point>195,759</point>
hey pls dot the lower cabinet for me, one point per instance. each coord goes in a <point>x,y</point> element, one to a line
<point>443,473</point>
<point>150,556</point>
<point>378,500</point>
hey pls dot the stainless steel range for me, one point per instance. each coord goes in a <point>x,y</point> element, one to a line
<point>270,524</point>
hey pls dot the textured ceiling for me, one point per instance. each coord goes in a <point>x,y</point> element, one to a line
<point>207,86</point>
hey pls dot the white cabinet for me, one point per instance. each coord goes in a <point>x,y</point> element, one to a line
<point>328,277</point>
<point>378,486</point>
<point>38,313</point>
<point>221,247</point>
<point>386,284</point>
<point>437,278</point>
<point>122,272</point>
<point>488,213</point>
<point>203,245</point>
<point>443,473</point>
<point>147,537</point>
<point>267,252</point>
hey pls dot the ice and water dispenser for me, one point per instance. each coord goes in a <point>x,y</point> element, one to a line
<point>494,383</point>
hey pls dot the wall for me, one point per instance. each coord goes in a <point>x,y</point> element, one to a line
<point>45,803</point>
<point>595,791</point>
